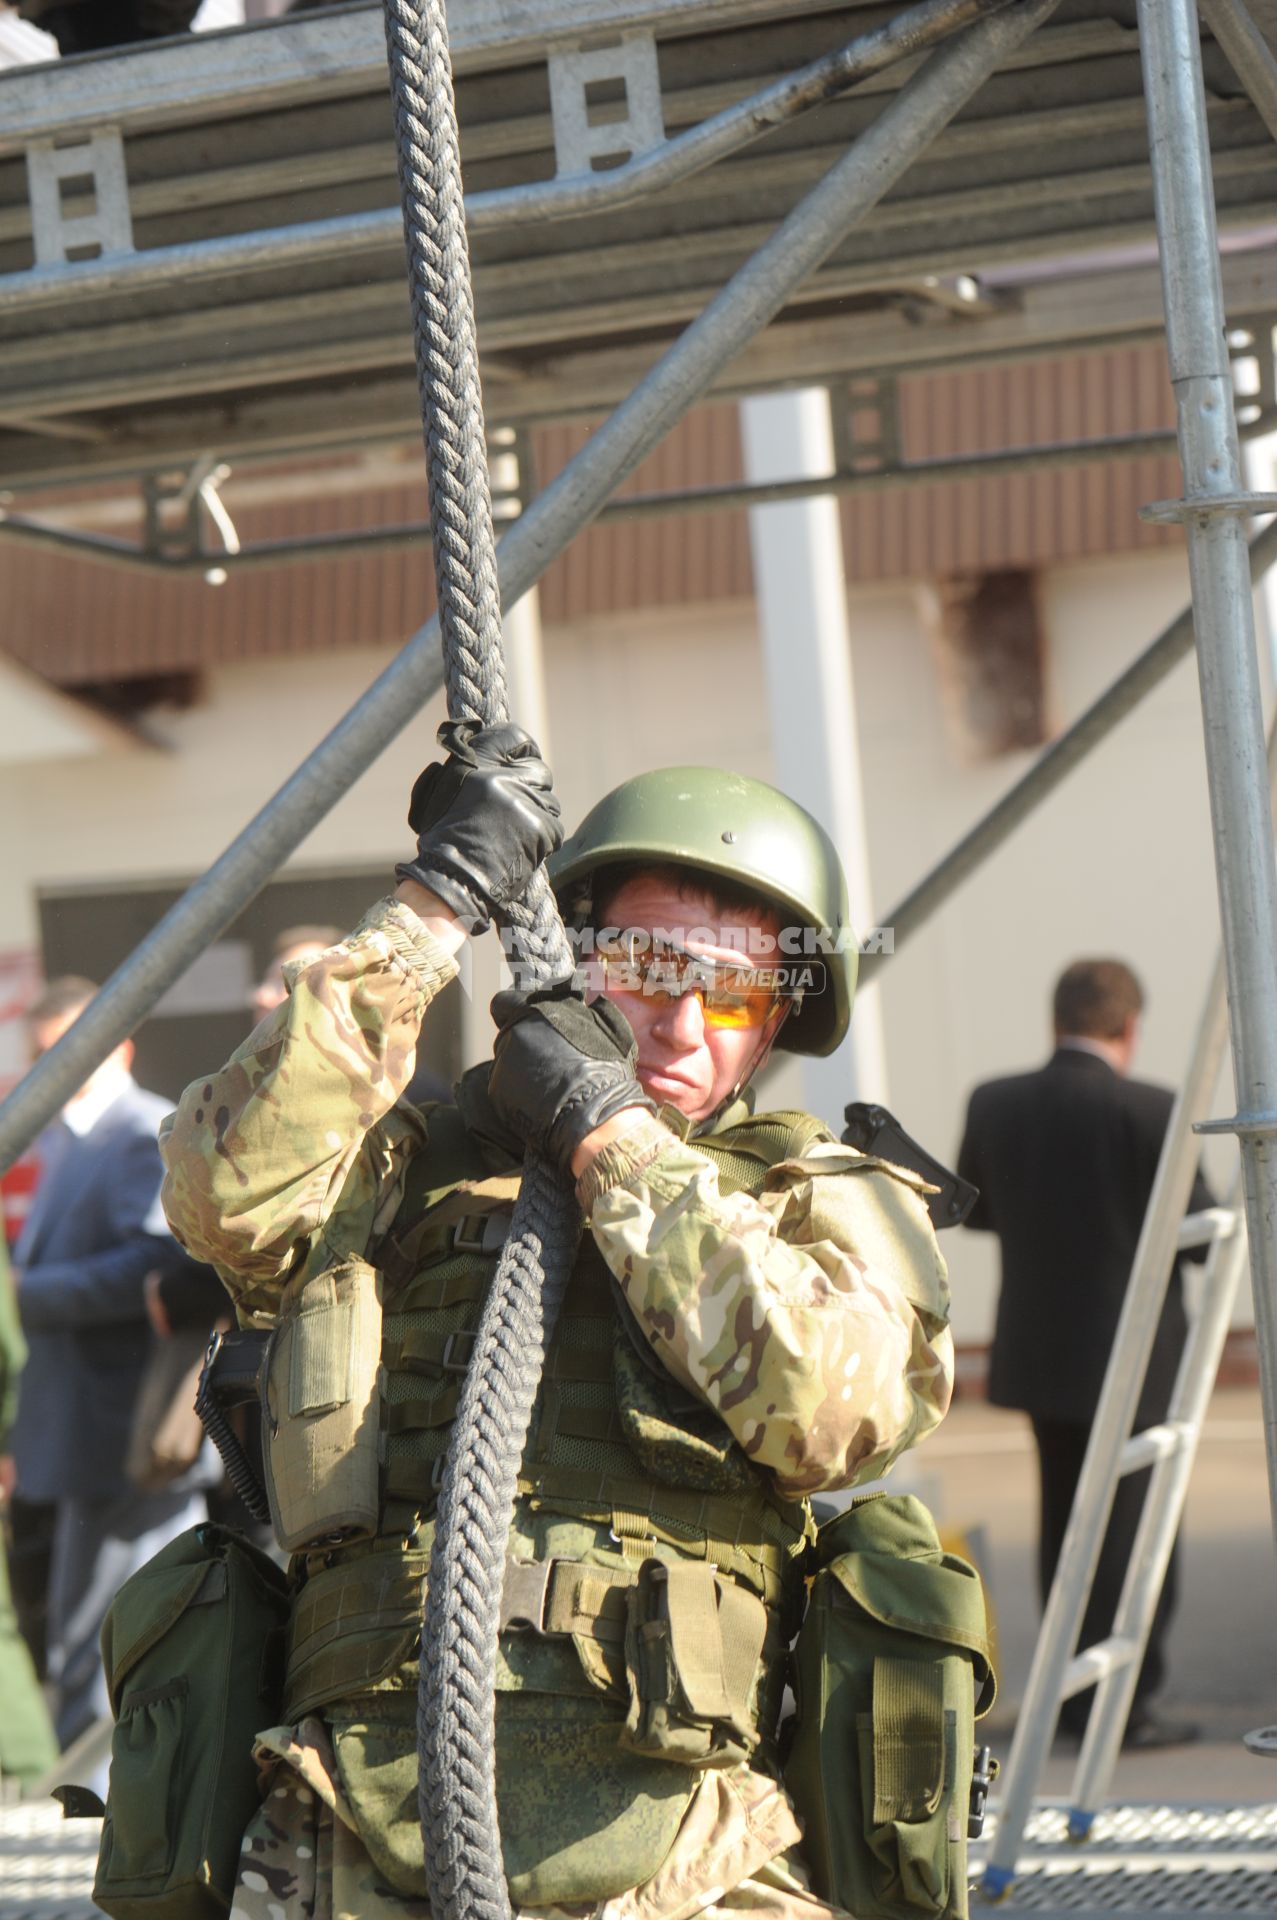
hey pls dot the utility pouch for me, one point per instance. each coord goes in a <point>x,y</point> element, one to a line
<point>322,1405</point>
<point>889,1661</point>
<point>693,1644</point>
<point>193,1648</point>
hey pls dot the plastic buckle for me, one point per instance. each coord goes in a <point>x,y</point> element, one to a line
<point>984,1773</point>
<point>481,1232</point>
<point>523,1593</point>
<point>453,1360</point>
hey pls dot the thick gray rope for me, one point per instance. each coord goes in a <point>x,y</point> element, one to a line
<point>455,1711</point>
<point>429,156</point>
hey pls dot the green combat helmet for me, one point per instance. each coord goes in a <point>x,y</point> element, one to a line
<point>745,832</point>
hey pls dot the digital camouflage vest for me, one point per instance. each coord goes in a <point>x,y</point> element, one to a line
<point>653,1579</point>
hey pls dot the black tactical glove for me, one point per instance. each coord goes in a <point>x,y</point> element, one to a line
<point>485,819</point>
<point>561,1067</point>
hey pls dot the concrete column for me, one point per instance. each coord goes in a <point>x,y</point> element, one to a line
<point>1252,382</point>
<point>521,623</point>
<point>801,594</point>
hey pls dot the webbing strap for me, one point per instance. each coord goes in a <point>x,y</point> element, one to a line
<point>319,1373</point>
<point>909,1738</point>
<point>580,1363</point>
<point>717,1628</point>
<point>685,1514</point>
<point>587,1423</point>
<point>761,1140</point>
<point>717,1632</point>
<point>455,1284</point>
<point>435,1349</point>
<point>413,1467</point>
<point>423,1412</point>
<point>589,1601</point>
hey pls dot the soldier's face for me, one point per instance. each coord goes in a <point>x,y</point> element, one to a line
<point>683,1060</point>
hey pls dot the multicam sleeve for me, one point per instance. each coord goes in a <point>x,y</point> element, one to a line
<point>297,1133</point>
<point>814,1318</point>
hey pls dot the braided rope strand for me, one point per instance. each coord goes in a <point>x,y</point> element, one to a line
<point>464,1865</point>
<point>465,1873</point>
<point>429,158</point>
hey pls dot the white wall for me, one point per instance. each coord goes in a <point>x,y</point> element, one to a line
<point>1118,861</point>
<point>162,813</point>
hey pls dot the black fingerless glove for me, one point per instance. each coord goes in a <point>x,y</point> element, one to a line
<point>485,819</point>
<point>561,1067</point>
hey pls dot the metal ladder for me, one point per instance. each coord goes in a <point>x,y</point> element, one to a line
<point>1214,504</point>
<point>1112,1665</point>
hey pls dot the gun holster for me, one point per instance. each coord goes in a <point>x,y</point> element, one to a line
<point>231,1378</point>
<point>872,1129</point>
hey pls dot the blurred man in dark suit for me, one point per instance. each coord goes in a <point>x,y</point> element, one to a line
<point>1064,1158</point>
<point>92,1236</point>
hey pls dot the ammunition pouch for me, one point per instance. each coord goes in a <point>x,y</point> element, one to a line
<point>679,1643</point>
<point>889,1661</point>
<point>693,1644</point>
<point>193,1650</point>
<point>322,1402</point>
<point>353,1626</point>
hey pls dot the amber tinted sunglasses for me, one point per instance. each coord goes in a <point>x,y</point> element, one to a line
<point>733,996</point>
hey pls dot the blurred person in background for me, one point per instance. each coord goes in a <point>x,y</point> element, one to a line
<point>93,1234</point>
<point>27,1746</point>
<point>1065,1157</point>
<point>89,26</point>
<point>297,945</point>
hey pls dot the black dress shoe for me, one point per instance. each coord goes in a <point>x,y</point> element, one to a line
<point>1148,1732</point>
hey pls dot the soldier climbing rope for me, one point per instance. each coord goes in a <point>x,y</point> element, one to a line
<point>457,1779</point>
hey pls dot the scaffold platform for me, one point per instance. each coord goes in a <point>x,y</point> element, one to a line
<point>201,248</point>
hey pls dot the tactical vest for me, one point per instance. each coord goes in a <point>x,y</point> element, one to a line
<point>653,1579</point>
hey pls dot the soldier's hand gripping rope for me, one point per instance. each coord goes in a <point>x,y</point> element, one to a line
<point>561,1068</point>
<point>485,819</point>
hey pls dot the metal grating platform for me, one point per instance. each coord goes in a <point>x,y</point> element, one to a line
<point>46,1864</point>
<point>1147,1859</point>
<point>1167,1860</point>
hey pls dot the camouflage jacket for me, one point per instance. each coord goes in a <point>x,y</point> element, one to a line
<point>813,1319</point>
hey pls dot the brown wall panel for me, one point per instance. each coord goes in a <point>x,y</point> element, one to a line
<point>78,622</point>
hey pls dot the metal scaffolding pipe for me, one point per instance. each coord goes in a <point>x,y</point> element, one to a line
<point>1248,54</point>
<point>1054,766</point>
<point>749,300</point>
<point>634,506</point>
<point>1228,671</point>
